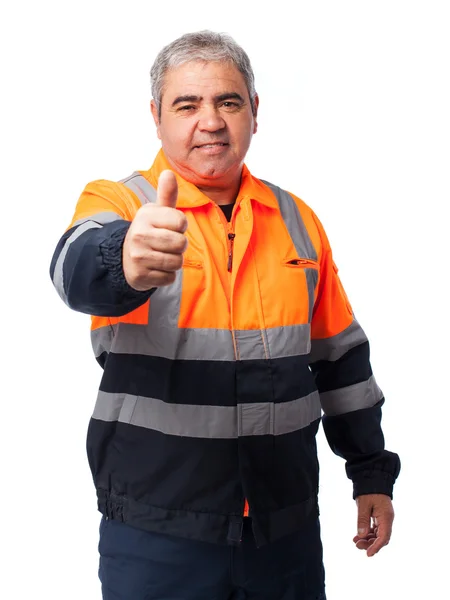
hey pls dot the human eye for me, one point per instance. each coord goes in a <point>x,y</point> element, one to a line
<point>230,104</point>
<point>186,108</point>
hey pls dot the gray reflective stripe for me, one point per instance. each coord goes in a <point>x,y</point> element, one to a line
<point>160,337</point>
<point>58,275</point>
<point>141,187</point>
<point>163,318</point>
<point>294,222</point>
<point>171,419</point>
<point>334,347</point>
<point>102,338</point>
<point>299,235</point>
<point>219,422</point>
<point>201,344</point>
<point>267,418</point>
<point>312,276</point>
<point>351,398</point>
<point>102,218</point>
<point>173,343</point>
<point>275,342</point>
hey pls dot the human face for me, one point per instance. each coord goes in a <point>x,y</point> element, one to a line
<point>206,122</point>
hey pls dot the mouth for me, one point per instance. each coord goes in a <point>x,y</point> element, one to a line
<point>213,145</point>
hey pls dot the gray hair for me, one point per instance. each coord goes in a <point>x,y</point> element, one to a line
<point>201,46</point>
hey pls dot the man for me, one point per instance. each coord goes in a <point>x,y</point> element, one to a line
<point>224,332</point>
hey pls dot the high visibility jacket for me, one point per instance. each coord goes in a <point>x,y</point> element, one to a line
<point>214,387</point>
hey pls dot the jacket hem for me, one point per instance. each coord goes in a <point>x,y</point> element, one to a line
<point>206,526</point>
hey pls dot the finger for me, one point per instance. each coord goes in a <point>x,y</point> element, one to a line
<point>364,516</point>
<point>364,545</point>
<point>370,536</point>
<point>167,191</point>
<point>164,217</point>
<point>162,261</point>
<point>383,537</point>
<point>377,545</point>
<point>165,240</point>
<point>153,279</point>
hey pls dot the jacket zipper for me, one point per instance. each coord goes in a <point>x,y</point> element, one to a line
<point>230,241</point>
<point>231,237</point>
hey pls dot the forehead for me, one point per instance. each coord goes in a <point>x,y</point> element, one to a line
<point>203,78</point>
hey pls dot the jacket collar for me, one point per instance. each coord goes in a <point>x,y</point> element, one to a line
<point>190,196</point>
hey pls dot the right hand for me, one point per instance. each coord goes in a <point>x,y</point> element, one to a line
<point>155,242</point>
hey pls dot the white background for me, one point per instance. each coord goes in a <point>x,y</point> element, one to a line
<point>354,118</point>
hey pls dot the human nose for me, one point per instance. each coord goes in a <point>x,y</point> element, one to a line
<point>211,120</point>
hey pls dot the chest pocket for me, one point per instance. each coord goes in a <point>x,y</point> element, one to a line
<point>307,270</point>
<point>194,301</point>
<point>305,262</point>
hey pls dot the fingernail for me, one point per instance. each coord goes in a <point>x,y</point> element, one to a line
<point>362,531</point>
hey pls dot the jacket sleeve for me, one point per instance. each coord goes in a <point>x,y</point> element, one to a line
<point>350,397</point>
<point>86,268</point>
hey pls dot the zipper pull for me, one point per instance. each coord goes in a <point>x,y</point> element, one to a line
<point>231,237</point>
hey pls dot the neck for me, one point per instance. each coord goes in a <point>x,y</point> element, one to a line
<point>222,190</point>
<point>219,195</point>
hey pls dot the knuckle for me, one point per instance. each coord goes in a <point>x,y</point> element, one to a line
<point>172,241</point>
<point>144,216</point>
<point>178,262</point>
<point>181,244</point>
<point>153,259</point>
<point>176,243</point>
<point>135,253</point>
<point>137,236</point>
<point>165,263</point>
<point>182,221</point>
<point>172,262</point>
<point>156,238</point>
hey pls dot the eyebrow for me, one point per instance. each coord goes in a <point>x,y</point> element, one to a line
<point>219,98</point>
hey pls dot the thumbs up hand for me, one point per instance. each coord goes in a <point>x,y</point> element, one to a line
<point>155,242</point>
<point>167,191</point>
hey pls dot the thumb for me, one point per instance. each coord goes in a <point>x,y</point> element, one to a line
<point>364,515</point>
<point>167,192</point>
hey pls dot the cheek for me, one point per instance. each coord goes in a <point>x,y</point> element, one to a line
<point>245,129</point>
<point>177,136</point>
<point>245,135</point>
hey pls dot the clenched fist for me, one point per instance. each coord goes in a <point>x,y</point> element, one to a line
<point>154,245</point>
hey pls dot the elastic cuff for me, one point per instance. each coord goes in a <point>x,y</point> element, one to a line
<point>374,482</point>
<point>111,250</point>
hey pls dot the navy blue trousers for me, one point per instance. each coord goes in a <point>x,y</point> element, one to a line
<point>139,565</point>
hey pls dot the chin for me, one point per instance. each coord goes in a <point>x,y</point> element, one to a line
<point>213,171</point>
